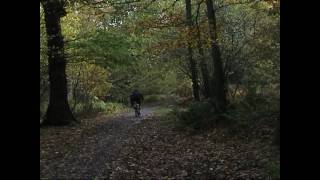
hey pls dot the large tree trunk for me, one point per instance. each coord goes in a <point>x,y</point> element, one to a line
<point>193,64</point>
<point>58,112</point>
<point>203,63</point>
<point>219,93</point>
<point>204,72</point>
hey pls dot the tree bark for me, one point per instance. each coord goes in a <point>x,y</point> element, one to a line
<point>203,63</point>
<point>75,91</point>
<point>193,64</point>
<point>58,112</point>
<point>219,92</point>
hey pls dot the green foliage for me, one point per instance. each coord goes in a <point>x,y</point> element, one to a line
<point>105,48</point>
<point>112,50</point>
<point>154,98</point>
<point>88,79</point>
<point>98,106</point>
<point>88,83</point>
<point>253,111</point>
<point>198,116</point>
<point>184,88</point>
<point>162,99</point>
<point>273,170</point>
<point>71,25</point>
<point>149,76</point>
<point>112,108</point>
<point>163,111</point>
<point>240,116</point>
<point>43,108</point>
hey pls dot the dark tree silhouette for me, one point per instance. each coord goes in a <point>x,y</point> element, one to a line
<point>58,112</point>
<point>203,63</point>
<point>219,92</point>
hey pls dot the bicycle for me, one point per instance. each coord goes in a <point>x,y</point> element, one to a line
<point>136,108</point>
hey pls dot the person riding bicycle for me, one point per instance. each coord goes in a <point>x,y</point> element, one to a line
<point>136,97</point>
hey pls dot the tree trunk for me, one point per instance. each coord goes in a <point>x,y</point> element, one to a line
<point>58,112</point>
<point>75,91</point>
<point>219,93</point>
<point>205,73</point>
<point>203,63</point>
<point>193,64</point>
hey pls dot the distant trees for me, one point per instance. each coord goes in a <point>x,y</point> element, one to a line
<point>223,51</point>
<point>218,92</point>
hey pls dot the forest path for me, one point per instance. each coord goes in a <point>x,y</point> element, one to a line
<point>125,147</point>
<point>96,150</point>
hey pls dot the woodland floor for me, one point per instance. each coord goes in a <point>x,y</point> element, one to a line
<point>125,147</point>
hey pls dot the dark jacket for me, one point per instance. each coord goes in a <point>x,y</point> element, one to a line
<point>136,96</point>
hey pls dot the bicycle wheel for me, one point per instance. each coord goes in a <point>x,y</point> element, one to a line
<point>136,113</point>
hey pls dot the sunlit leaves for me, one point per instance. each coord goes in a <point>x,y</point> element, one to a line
<point>71,25</point>
<point>89,78</point>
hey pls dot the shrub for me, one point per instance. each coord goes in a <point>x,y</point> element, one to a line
<point>161,99</point>
<point>154,98</point>
<point>95,106</point>
<point>245,116</point>
<point>252,113</point>
<point>112,108</point>
<point>273,170</point>
<point>199,115</point>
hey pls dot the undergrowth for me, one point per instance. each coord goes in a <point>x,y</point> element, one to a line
<point>98,106</point>
<point>241,118</point>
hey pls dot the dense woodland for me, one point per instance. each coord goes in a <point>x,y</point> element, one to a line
<point>211,63</point>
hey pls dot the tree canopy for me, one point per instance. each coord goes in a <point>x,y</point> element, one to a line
<point>144,44</point>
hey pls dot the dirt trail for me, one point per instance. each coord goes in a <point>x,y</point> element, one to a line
<point>125,147</point>
<point>96,151</point>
